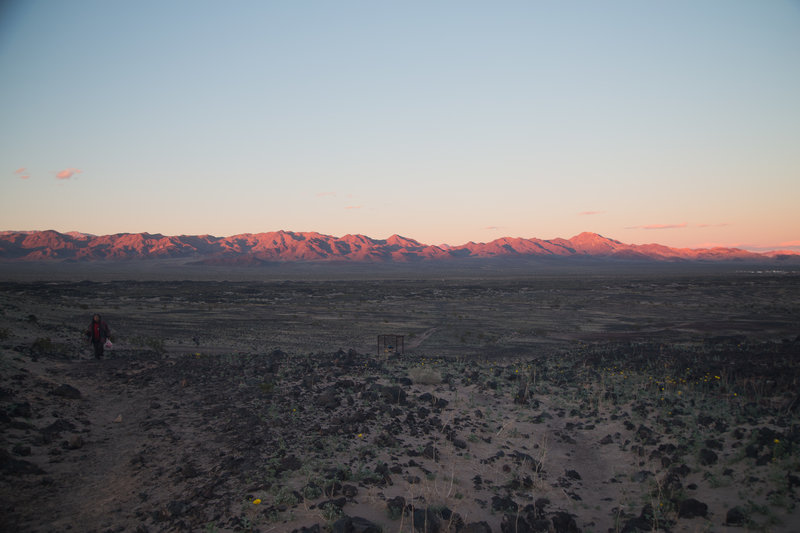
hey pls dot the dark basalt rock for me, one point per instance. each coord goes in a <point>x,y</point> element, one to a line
<point>707,457</point>
<point>391,394</point>
<point>514,523</point>
<point>16,467</point>
<point>362,525</point>
<point>564,523</point>
<point>354,524</point>
<point>396,506</point>
<point>426,521</point>
<point>646,521</point>
<point>67,391</point>
<point>504,504</point>
<point>328,399</point>
<point>691,508</point>
<point>477,527</point>
<point>736,517</point>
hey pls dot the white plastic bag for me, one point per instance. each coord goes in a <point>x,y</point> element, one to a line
<point>108,344</point>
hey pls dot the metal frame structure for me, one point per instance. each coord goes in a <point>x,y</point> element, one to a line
<point>391,344</point>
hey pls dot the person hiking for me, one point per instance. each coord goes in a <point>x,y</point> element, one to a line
<point>98,333</point>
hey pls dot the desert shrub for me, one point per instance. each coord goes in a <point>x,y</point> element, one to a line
<point>43,345</point>
<point>312,491</point>
<point>285,496</point>
<point>425,376</point>
<point>331,512</point>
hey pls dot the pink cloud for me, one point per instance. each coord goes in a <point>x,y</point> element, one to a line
<point>67,173</point>
<point>790,243</point>
<point>583,213</point>
<point>21,173</point>
<point>660,226</point>
<point>493,228</point>
<point>720,225</point>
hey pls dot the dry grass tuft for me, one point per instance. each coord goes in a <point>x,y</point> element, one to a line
<point>425,376</point>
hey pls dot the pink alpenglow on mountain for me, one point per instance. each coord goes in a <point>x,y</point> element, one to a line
<point>287,246</point>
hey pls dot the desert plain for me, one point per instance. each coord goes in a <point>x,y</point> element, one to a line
<point>594,400</point>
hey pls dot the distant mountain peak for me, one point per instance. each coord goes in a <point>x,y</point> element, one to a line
<point>288,246</point>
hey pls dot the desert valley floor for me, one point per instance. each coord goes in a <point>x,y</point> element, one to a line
<point>581,402</point>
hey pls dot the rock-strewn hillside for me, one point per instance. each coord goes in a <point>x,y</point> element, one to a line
<point>344,441</point>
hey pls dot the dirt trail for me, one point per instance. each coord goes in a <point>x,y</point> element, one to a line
<point>419,339</point>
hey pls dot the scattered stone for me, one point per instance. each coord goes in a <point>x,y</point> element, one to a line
<point>350,491</point>
<point>49,433</point>
<point>67,391</point>
<point>16,467</point>
<point>514,523</point>
<point>290,463</point>
<point>430,452</point>
<point>736,517</point>
<point>328,399</point>
<point>708,457</point>
<point>396,506</point>
<point>691,508</point>
<point>564,523</point>
<point>21,450</point>
<point>21,410</point>
<point>426,521</point>
<point>362,525</point>
<point>477,527</point>
<point>504,504</point>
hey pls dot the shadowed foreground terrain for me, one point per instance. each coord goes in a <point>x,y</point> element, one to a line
<point>608,403</point>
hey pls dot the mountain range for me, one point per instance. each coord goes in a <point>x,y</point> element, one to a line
<point>287,246</point>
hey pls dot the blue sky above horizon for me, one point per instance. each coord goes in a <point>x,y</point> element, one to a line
<point>446,122</point>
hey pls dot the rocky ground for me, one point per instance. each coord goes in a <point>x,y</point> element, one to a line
<point>559,405</point>
<point>609,437</point>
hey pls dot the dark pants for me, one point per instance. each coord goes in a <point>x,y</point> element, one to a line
<point>98,347</point>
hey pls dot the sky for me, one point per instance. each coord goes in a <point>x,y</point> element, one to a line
<point>675,122</point>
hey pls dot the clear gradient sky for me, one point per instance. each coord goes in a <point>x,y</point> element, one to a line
<point>675,122</point>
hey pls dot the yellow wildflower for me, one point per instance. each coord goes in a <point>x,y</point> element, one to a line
<point>257,501</point>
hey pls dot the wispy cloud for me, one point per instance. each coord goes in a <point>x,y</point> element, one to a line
<point>322,194</point>
<point>660,226</point>
<point>67,173</point>
<point>791,244</point>
<point>22,173</point>
<point>680,226</point>
<point>494,228</point>
<point>587,213</point>
<point>353,207</point>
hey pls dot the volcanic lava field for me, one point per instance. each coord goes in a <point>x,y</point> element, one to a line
<point>613,402</point>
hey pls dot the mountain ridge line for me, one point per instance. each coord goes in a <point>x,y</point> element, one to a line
<point>288,246</point>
